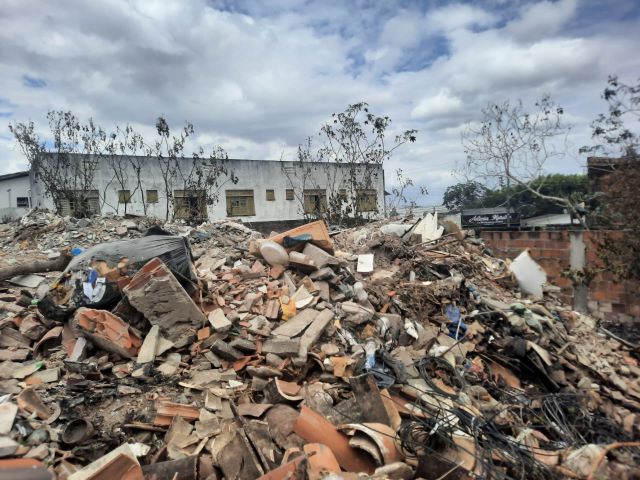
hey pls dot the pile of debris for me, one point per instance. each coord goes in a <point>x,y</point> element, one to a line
<point>389,351</point>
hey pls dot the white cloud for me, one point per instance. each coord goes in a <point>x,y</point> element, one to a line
<point>438,105</point>
<point>542,19</point>
<point>261,77</point>
<point>458,15</point>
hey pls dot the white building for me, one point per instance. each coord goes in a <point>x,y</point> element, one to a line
<point>15,195</point>
<point>253,191</point>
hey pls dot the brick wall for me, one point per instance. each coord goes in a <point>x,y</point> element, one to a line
<point>606,298</point>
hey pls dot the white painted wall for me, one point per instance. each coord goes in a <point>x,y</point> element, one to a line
<point>256,175</point>
<point>10,190</point>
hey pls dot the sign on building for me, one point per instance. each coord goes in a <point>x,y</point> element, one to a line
<point>490,219</point>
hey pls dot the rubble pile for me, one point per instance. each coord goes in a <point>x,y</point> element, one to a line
<point>388,351</point>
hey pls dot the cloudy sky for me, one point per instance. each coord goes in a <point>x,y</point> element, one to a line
<point>258,77</point>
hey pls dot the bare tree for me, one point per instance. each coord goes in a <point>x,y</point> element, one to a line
<point>67,167</point>
<point>400,195</point>
<point>169,151</point>
<point>200,177</point>
<point>617,134</point>
<point>343,169</point>
<point>512,146</point>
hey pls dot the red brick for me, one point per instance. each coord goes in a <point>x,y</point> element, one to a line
<point>563,282</point>
<point>619,308</point>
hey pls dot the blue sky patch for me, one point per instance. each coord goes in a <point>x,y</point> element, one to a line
<point>33,82</point>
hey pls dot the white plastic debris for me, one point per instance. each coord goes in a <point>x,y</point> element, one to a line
<point>397,229</point>
<point>365,263</point>
<point>529,274</point>
<point>428,228</point>
<point>410,328</point>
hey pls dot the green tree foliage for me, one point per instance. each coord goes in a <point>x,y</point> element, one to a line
<point>523,200</point>
<point>464,195</point>
<point>615,134</point>
<point>529,204</point>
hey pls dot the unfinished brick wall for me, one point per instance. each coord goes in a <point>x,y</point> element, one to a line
<point>606,298</point>
<point>550,249</point>
<point>609,297</point>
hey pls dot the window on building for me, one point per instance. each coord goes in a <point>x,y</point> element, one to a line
<point>22,202</point>
<point>152,196</point>
<point>124,196</point>
<point>80,203</point>
<point>271,195</point>
<point>190,204</point>
<point>289,194</point>
<point>366,201</point>
<point>240,203</point>
<point>315,201</point>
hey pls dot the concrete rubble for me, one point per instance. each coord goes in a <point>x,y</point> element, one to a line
<point>386,351</point>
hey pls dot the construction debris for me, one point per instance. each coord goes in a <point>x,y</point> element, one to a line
<point>386,351</point>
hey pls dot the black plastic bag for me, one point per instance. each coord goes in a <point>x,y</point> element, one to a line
<point>174,251</point>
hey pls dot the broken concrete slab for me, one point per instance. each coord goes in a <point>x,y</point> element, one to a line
<point>156,293</point>
<point>297,324</point>
<point>226,351</point>
<point>282,346</point>
<point>302,262</point>
<point>320,257</point>
<point>14,354</point>
<point>26,369</point>
<point>243,345</point>
<point>205,377</point>
<point>312,334</point>
<point>218,320</point>
<point>263,372</point>
<point>171,365</point>
<point>29,280</point>
<point>147,352</point>
<point>49,375</point>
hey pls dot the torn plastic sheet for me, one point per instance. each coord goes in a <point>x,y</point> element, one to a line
<point>384,369</point>
<point>94,291</point>
<point>457,327</point>
<point>80,284</point>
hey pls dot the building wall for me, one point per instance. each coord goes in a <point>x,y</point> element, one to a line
<point>558,252</point>
<point>256,175</point>
<point>10,190</point>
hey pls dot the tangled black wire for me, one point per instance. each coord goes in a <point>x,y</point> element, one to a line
<point>431,367</point>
